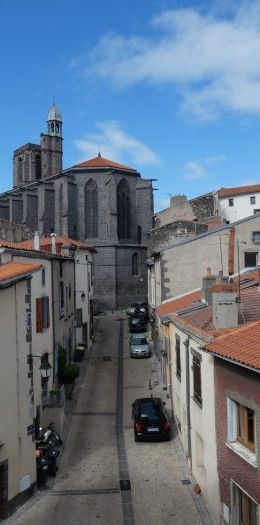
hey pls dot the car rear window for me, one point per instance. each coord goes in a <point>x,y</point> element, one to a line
<point>150,411</point>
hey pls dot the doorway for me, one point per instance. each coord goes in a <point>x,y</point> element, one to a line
<point>3,489</point>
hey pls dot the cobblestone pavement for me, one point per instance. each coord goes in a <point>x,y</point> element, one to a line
<point>101,461</point>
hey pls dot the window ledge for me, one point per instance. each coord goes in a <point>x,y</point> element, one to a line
<point>243,452</point>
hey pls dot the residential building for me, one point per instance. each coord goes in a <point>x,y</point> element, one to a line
<point>188,328</point>
<point>234,204</point>
<point>17,447</point>
<point>178,267</point>
<point>237,367</point>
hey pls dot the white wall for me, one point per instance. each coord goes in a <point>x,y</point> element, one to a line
<point>242,207</point>
<point>83,284</point>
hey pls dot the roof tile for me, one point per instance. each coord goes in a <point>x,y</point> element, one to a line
<point>13,269</point>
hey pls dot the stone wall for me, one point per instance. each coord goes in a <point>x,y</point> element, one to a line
<point>175,230</point>
<point>203,206</point>
<point>14,232</point>
<point>130,287</point>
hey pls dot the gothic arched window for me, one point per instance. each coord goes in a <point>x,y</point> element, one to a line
<point>60,208</point>
<point>91,210</point>
<point>135,264</point>
<point>123,210</point>
<point>139,234</point>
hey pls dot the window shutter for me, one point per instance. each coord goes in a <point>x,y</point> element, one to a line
<point>38,315</point>
<point>48,311</point>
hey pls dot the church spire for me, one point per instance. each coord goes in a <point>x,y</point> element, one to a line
<point>54,120</point>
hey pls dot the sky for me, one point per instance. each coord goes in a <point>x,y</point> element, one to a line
<point>170,88</point>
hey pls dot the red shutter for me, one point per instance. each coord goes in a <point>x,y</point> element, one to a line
<point>38,315</point>
<point>48,311</point>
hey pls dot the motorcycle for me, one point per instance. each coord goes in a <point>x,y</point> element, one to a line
<point>47,453</point>
<point>49,435</point>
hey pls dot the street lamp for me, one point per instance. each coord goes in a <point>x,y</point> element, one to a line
<point>45,370</point>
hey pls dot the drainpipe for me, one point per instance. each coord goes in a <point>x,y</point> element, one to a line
<point>187,352</point>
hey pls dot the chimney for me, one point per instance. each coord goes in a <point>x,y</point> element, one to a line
<point>67,250</point>
<point>53,243</point>
<point>36,241</point>
<point>207,283</point>
<point>224,304</point>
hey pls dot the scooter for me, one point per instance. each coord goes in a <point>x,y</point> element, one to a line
<point>49,435</point>
<point>47,456</point>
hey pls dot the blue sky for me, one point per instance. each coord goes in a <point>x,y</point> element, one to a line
<point>171,88</point>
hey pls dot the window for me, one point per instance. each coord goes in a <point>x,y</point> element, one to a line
<point>139,235</point>
<point>61,298</point>
<point>79,318</point>
<point>256,211</point>
<point>252,200</point>
<point>38,168</point>
<point>42,314</point>
<point>20,169</point>
<point>197,378</point>
<point>135,264</point>
<point>256,237</point>
<point>178,356</point>
<point>91,210</point>
<point>61,269</point>
<point>231,202</point>
<point>244,508</point>
<point>251,259</point>
<point>43,277</point>
<point>242,430</point>
<point>123,210</point>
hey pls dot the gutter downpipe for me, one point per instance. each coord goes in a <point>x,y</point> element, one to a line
<point>187,351</point>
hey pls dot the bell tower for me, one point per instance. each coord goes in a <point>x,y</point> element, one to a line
<point>51,143</point>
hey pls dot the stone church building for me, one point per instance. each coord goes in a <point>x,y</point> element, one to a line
<point>104,203</point>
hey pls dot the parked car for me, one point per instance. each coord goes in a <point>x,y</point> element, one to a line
<point>137,323</point>
<point>139,346</point>
<point>138,307</point>
<point>150,419</point>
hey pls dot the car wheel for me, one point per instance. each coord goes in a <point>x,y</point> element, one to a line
<point>137,438</point>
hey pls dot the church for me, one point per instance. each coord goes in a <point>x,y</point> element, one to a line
<point>99,201</point>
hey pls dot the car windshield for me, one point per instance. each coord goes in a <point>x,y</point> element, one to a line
<point>139,341</point>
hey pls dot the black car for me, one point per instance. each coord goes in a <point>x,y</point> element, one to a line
<point>137,323</point>
<point>138,307</point>
<point>150,419</point>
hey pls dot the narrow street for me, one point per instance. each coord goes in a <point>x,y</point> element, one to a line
<point>104,477</point>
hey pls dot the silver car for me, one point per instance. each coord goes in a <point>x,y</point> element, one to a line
<point>139,346</point>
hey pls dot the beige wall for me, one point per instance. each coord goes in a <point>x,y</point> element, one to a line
<point>83,270</point>
<point>15,409</point>
<point>184,265</point>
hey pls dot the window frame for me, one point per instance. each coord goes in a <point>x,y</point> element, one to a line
<point>252,199</point>
<point>246,254</point>
<point>231,202</point>
<point>238,508</point>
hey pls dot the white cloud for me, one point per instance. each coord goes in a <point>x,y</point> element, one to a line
<point>115,143</point>
<point>211,59</point>
<point>195,170</point>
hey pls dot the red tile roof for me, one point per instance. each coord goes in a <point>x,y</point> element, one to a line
<point>178,304</point>
<point>11,270</point>
<point>239,344</point>
<point>100,162</point>
<point>46,244</point>
<point>239,190</point>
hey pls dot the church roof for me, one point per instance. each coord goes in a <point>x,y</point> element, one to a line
<point>100,162</point>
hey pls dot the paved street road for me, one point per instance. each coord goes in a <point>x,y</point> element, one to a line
<point>101,461</point>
